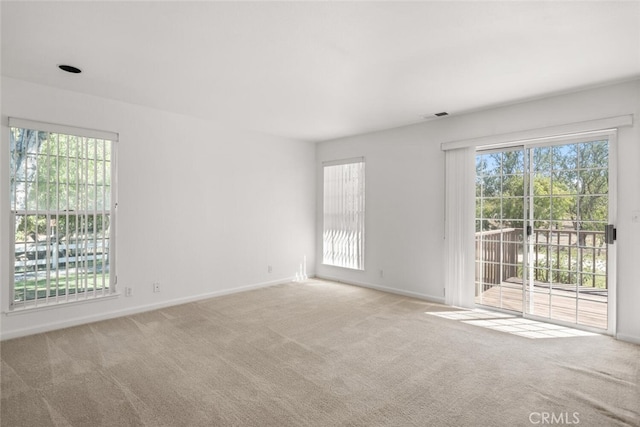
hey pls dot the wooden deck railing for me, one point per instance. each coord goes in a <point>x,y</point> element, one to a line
<point>554,253</point>
<point>499,249</point>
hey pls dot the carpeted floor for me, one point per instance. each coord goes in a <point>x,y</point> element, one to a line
<point>313,354</point>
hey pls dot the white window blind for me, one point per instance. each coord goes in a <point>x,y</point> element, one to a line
<point>62,213</point>
<point>344,212</point>
<point>459,227</point>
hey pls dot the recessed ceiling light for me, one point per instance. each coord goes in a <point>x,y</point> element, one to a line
<point>70,69</point>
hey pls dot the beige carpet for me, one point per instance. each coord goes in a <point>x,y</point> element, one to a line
<point>313,354</point>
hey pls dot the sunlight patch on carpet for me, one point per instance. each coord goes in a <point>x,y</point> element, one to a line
<point>470,314</point>
<point>503,322</point>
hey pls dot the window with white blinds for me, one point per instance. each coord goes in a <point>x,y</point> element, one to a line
<point>62,214</point>
<point>344,212</point>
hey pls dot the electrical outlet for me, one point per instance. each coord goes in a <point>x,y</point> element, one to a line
<point>269,269</point>
<point>128,292</point>
<point>635,216</point>
<point>156,287</point>
<point>381,273</point>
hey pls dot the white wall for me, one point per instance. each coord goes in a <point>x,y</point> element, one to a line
<point>405,191</point>
<point>404,194</point>
<point>203,210</point>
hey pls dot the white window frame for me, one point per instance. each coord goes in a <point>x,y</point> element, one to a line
<point>87,296</point>
<point>344,217</point>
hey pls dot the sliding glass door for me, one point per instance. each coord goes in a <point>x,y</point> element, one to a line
<point>541,219</point>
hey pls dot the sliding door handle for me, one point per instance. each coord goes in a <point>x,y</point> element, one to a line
<point>609,234</point>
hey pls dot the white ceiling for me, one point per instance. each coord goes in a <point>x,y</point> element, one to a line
<point>321,70</point>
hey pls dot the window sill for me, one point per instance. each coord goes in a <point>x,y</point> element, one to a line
<point>52,306</point>
<point>340,266</point>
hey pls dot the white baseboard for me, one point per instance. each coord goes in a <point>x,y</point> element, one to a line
<point>402,292</point>
<point>76,321</point>
<point>628,338</point>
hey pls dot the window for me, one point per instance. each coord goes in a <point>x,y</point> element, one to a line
<point>344,207</point>
<point>62,213</point>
